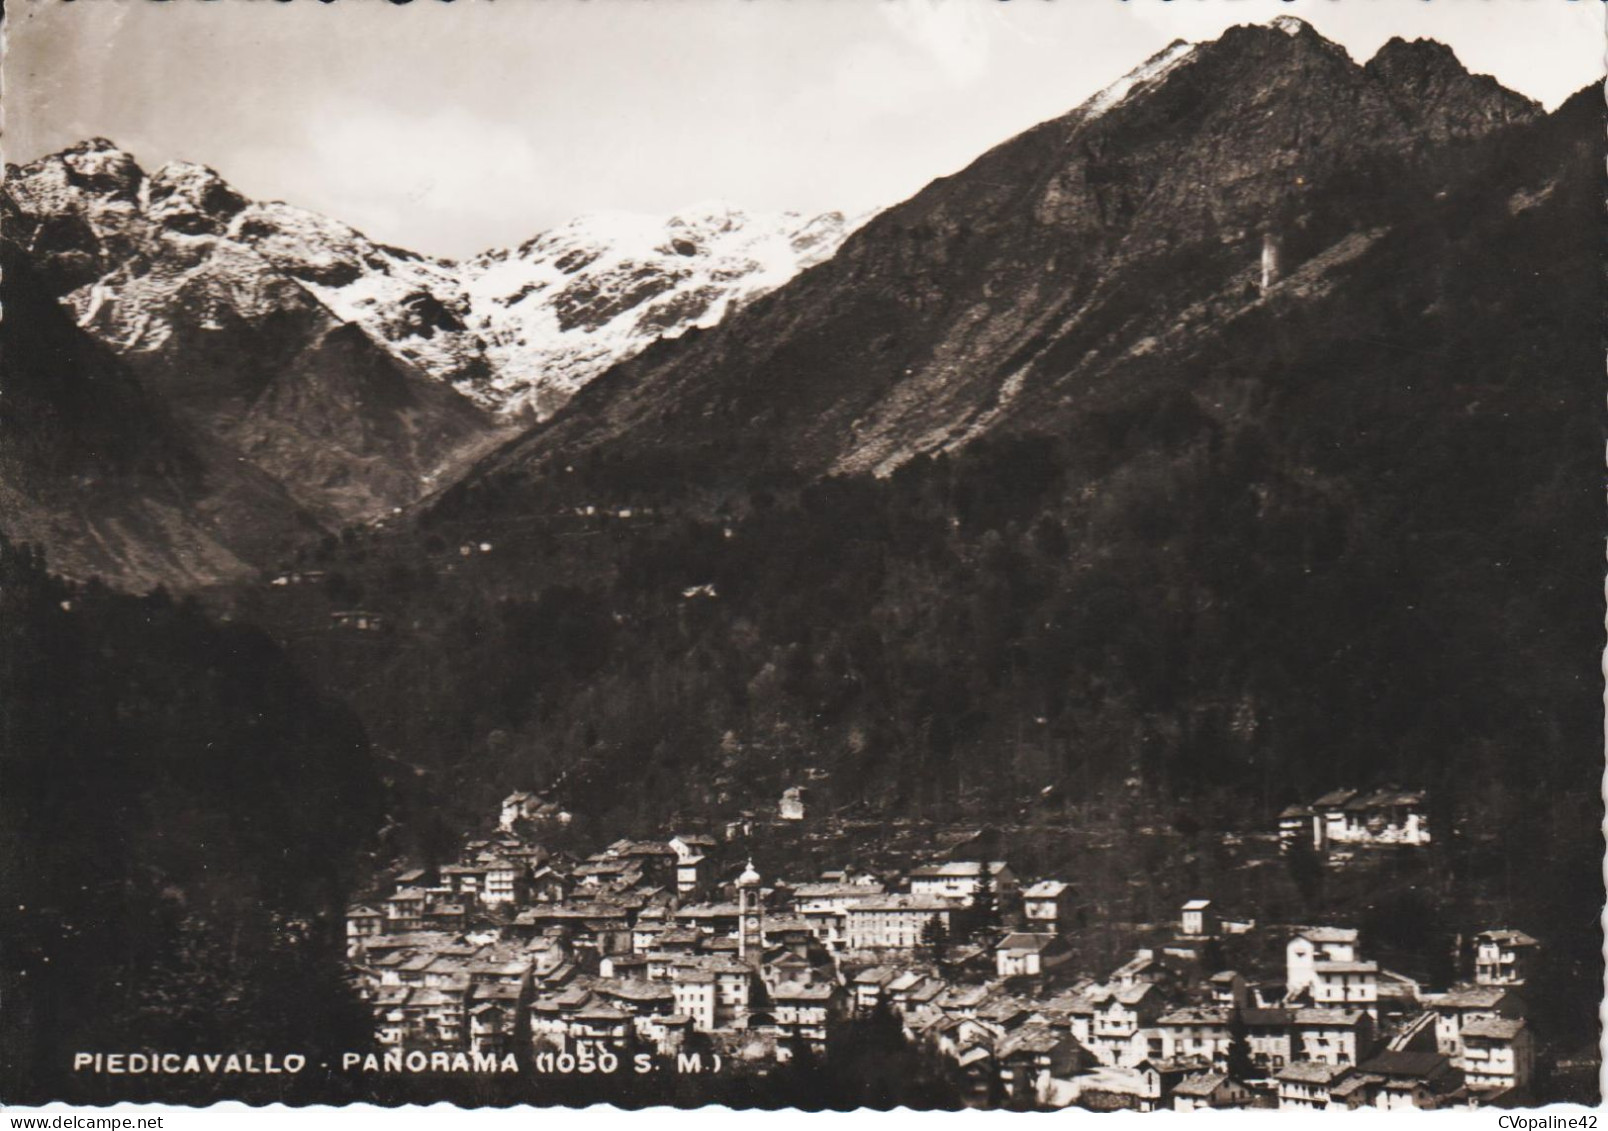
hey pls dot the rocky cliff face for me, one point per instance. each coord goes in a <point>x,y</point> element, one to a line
<point>1150,520</point>
<point>1203,519</point>
<point>357,377</point>
<point>110,482</point>
<point>1040,284</point>
<point>1431,89</point>
<point>1017,292</point>
<point>516,331</point>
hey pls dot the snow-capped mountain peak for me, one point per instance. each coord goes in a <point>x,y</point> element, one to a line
<point>189,198</point>
<point>517,331</point>
<point>566,305</point>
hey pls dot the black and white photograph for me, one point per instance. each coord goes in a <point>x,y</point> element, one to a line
<point>1024,555</point>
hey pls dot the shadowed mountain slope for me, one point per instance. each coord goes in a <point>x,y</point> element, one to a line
<point>1015,292</point>
<point>108,481</point>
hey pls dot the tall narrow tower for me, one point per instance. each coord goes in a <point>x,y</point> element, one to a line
<point>750,917</point>
<point>1270,259</point>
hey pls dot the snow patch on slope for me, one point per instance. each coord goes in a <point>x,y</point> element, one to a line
<point>412,303</point>
<point>1153,70</point>
<point>565,306</point>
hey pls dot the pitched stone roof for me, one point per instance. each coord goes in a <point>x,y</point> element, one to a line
<point>1200,1084</point>
<point>1203,1015</point>
<point>1324,1016</point>
<point>631,989</point>
<point>1328,934</point>
<point>1127,995</point>
<point>957,869</point>
<point>902,902</point>
<point>1494,1028</point>
<point>1356,1083</point>
<point>1046,889</point>
<point>496,992</point>
<point>1334,798</point>
<point>1413,1065</point>
<point>1312,1072</point>
<point>836,891</point>
<point>1035,1039</point>
<point>1385,799</point>
<point>1346,967</point>
<point>1472,997</point>
<point>964,997</point>
<point>1028,942</point>
<point>1508,936</point>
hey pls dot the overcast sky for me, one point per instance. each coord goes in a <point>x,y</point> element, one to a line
<point>453,127</point>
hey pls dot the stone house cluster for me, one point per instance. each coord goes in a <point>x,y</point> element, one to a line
<point>1335,1031</point>
<point>641,945</point>
<point>605,961</point>
<point>662,946</point>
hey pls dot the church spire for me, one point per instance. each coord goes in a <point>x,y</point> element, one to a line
<point>750,916</point>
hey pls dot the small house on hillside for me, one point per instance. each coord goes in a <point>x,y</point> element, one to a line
<point>1376,818</point>
<point>1504,957</point>
<point>1048,904</point>
<point>1197,919</point>
<point>791,806</point>
<point>1025,953</point>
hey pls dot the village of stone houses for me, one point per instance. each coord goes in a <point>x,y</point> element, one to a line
<point>687,952</point>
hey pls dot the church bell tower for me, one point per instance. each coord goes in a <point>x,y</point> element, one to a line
<point>750,917</point>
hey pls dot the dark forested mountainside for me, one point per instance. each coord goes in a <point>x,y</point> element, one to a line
<point>182,818</point>
<point>1344,537</point>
